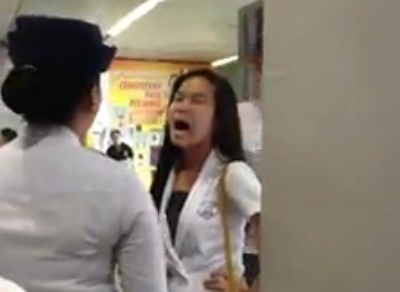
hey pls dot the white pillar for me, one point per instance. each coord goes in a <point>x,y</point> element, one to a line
<point>332,146</point>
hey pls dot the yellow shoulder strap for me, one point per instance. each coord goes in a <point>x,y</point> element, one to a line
<point>224,202</point>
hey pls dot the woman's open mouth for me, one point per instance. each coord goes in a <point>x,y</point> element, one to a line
<point>181,125</point>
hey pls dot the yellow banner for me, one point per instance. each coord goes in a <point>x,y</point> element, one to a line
<point>139,90</point>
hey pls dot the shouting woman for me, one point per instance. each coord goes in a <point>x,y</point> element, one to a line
<point>202,151</point>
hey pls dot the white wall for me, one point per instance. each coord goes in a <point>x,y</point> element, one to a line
<point>332,150</point>
<point>7,118</point>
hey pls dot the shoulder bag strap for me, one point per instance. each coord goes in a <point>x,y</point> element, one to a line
<point>224,202</point>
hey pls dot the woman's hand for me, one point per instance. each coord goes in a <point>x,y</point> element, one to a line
<point>218,282</point>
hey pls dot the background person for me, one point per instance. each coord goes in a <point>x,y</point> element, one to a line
<point>68,216</point>
<point>251,258</point>
<point>202,142</point>
<point>119,150</point>
<point>7,135</point>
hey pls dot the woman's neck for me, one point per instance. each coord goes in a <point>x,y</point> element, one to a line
<point>194,158</point>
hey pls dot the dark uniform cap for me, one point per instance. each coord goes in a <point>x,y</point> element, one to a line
<point>58,43</point>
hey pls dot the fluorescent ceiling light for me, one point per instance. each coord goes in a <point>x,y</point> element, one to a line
<point>137,13</point>
<point>225,61</point>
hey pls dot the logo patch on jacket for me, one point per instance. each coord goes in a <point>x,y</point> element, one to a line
<point>208,210</point>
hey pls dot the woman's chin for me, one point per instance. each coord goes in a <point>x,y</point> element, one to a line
<point>180,143</point>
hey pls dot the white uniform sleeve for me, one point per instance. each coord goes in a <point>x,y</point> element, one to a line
<point>8,286</point>
<point>140,252</point>
<point>244,188</point>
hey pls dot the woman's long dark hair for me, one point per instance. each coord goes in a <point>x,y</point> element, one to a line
<point>227,137</point>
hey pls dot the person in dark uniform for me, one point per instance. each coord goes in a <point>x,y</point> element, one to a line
<point>7,135</point>
<point>119,150</point>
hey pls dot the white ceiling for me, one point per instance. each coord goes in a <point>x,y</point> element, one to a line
<point>177,29</point>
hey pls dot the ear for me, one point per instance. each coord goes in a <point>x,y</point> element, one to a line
<point>92,100</point>
<point>96,96</point>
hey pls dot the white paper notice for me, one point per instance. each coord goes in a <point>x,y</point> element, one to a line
<point>251,125</point>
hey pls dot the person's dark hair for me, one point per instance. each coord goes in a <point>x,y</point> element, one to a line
<point>45,95</point>
<point>57,62</point>
<point>227,138</point>
<point>8,134</point>
<point>115,132</point>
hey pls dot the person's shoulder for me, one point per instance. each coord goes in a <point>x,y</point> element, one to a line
<point>110,148</point>
<point>98,152</point>
<point>240,176</point>
<point>99,161</point>
<point>243,186</point>
<point>240,170</point>
<point>112,175</point>
<point>8,152</point>
<point>8,286</point>
<point>97,165</point>
<point>126,145</point>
